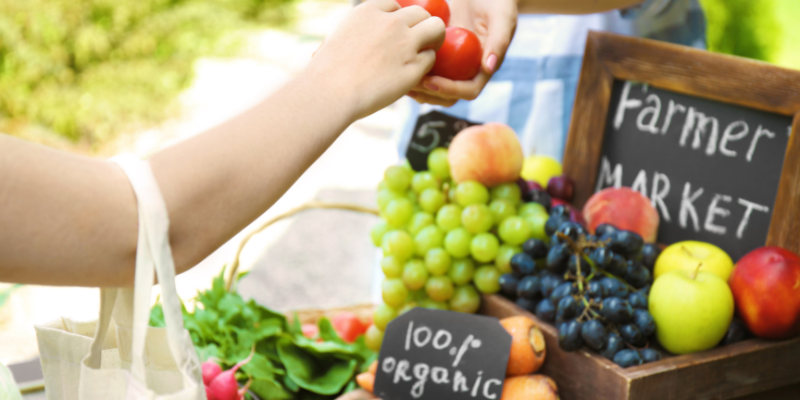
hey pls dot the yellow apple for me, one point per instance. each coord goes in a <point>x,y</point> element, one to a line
<point>692,310</point>
<point>687,255</point>
<point>540,169</point>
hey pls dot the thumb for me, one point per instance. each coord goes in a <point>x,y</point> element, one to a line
<point>501,29</point>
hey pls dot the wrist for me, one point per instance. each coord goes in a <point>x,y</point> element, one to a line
<point>332,90</point>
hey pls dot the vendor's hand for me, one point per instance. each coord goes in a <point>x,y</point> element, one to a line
<point>377,54</point>
<point>494,21</point>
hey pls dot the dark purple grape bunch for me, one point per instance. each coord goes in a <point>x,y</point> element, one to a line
<point>593,288</point>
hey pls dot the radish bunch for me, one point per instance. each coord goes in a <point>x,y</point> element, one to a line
<point>222,385</point>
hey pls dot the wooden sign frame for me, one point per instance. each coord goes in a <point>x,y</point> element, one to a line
<point>697,73</point>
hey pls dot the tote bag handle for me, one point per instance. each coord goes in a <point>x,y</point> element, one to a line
<point>153,254</point>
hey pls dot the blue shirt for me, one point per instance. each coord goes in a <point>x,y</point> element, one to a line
<point>534,89</point>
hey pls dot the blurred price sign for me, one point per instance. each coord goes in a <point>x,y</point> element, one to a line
<point>432,130</point>
<point>434,354</point>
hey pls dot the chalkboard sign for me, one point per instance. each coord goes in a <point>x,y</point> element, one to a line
<point>442,355</point>
<point>710,139</point>
<point>710,169</point>
<point>432,130</point>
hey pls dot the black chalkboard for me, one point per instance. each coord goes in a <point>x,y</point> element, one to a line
<point>432,130</point>
<point>711,169</point>
<point>442,355</point>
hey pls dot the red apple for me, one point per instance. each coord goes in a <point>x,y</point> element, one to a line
<point>766,289</point>
<point>624,208</point>
<point>560,187</point>
<point>489,153</point>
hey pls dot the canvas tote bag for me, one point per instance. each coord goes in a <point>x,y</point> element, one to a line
<point>119,356</point>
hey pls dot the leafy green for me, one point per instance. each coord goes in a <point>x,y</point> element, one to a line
<point>286,365</point>
<point>319,373</point>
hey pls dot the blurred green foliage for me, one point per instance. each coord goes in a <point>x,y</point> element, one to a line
<point>765,30</point>
<point>89,69</point>
<point>742,27</point>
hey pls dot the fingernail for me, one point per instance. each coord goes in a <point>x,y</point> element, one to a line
<point>431,87</point>
<point>491,62</point>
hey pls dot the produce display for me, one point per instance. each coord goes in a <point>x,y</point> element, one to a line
<point>244,344</point>
<point>526,356</point>
<point>484,219</point>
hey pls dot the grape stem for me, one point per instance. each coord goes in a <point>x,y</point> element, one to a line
<point>610,275</point>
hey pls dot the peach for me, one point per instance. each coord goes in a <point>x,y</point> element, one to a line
<point>623,208</point>
<point>489,153</point>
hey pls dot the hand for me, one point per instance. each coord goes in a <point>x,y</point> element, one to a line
<point>494,21</point>
<point>377,54</point>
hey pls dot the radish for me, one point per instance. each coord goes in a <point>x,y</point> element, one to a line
<point>210,370</point>
<point>225,387</point>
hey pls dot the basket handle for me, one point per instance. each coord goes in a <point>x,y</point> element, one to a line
<point>230,283</point>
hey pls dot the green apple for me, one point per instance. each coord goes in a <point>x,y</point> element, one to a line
<point>692,310</point>
<point>540,169</point>
<point>688,254</point>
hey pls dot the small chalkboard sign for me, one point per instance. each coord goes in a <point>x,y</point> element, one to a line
<point>432,130</point>
<point>442,355</point>
<point>710,139</point>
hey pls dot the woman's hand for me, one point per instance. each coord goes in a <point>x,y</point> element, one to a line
<point>377,54</point>
<point>494,21</point>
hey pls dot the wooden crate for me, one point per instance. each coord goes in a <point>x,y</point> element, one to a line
<point>750,370</point>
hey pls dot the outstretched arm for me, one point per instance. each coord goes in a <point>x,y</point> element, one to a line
<point>71,220</point>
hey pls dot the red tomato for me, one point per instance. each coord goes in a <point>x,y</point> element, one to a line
<point>436,8</point>
<point>348,326</point>
<point>459,58</point>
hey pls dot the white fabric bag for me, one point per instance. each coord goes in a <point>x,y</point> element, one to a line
<point>127,359</point>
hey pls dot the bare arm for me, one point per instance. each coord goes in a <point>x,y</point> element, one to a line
<point>71,220</point>
<point>572,6</point>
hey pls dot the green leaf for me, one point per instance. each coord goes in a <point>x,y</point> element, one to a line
<point>352,385</point>
<point>295,328</point>
<point>157,316</point>
<point>325,375</point>
<point>270,389</point>
<point>290,384</point>
<point>327,333</point>
<point>206,352</point>
<point>260,368</point>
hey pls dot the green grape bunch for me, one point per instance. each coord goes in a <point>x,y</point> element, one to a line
<point>445,243</point>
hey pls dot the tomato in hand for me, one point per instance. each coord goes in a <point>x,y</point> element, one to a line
<point>348,326</point>
<point>459,58</point>
<point>436,8</point>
